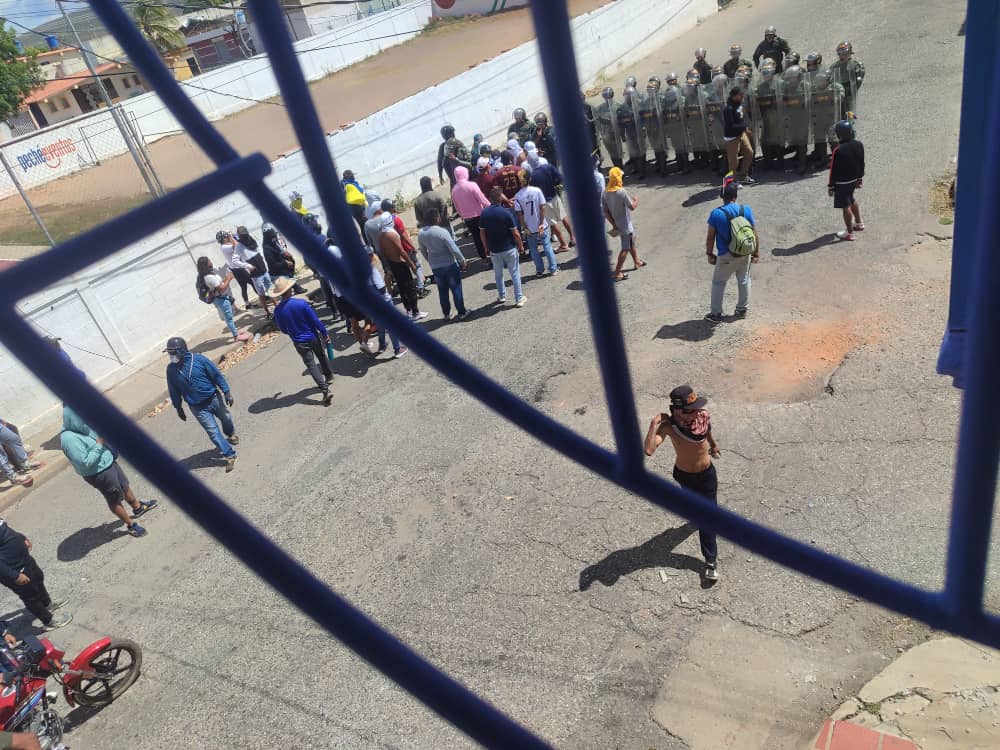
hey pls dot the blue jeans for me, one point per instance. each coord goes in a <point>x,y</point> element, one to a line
<point>546,238</point>
<point>12,453</point>
<point>206,416</point>
<point>225,307</point>
<point>450,279</point>
<point>507,259</point>
<point>392,336</point>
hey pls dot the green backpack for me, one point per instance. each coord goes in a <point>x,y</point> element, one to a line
<point>742,241</point>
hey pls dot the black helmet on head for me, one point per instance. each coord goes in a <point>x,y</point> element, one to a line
<point>630,81</point>
<point>813,60</point>
<point>699,54</point>
<point>845,49</point>
<point>844,130</point>
<point>671,78</point>
<point>792,58</point>
<point>176,344</point>
<point>485,149</point>
<point>693,77</point>
<point>221,235</point>
<point>628,93</point>
<point>653,84</point>
<point>312,221</point>
<point>735,51</point>
<point>541,119</point>
<point>448,131</point>
<point>520,115</point>
<point>267,229</point>
<point>770,31</point>
<point>608,93</point>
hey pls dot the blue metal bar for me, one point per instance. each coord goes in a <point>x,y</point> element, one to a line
<point>979,436</point>
<point>305,122</point>
<point>30,275</point>
<point>974,203</point>
<point>555,45</point>
<point>451,699</point>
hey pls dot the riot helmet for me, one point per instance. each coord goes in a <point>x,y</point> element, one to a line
<point>520,115</point>
<point>845,50</point>
<point>813,61</point>
<point>628,93</point>
<point>770,33</point>
<point>693,78</point>
<point>485,149</point>
<point>671,79</point>
<point>768,69</point>
<point>793,74</point>
<point>716,70</point>
<point>844,130</point>
<point>821,81</point>
<point>608,93</point>
<point>735,51</point>
<point>699,54</point>
<point>176,345</point>
<point>792,58</point>
<point>631,82</point>
<point>653,84</point>
<point>447,131</point>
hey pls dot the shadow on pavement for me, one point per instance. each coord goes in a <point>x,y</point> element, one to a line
<point>78,716</point>
<point>80,543</point>
<point>658,552</point>
<point>805,247</point>
<point>690,330</point>
<point>309,396</point>
<point>702,196</point>
<point>206,459</point>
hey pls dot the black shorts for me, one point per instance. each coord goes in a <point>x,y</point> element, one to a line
<point>348,310</point>
<point>843,195</point>
<point>111,483</point>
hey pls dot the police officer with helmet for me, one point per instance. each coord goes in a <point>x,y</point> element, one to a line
<point>521,125</point>
<point>672,112</point>
<point>651,118</point>
<point>703,68</point>
<point>607,125</point>
<point>772,48</point>
<point>849,72</point>
<point>735,61</point>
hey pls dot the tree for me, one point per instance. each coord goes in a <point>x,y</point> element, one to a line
<point>19,75</point>
<point>158,25</point>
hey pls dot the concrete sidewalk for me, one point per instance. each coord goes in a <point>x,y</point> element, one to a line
<point>941,695</point>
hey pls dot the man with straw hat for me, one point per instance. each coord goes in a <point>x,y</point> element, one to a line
<point>296,318</point>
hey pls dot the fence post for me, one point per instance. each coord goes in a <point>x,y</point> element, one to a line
<point>141,143</point>
<point>86,142</point>
<point>24,197</point>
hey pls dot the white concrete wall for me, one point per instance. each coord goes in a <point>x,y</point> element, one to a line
<point>252,79</point>
<point>115,316</point>
<point>473,7</point>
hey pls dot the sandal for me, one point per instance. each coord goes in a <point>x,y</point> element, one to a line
<point>621,277</point>
<point>640,264</point>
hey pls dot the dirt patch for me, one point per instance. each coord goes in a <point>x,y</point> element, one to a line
<point>793,361</point>
<point>942,199</point>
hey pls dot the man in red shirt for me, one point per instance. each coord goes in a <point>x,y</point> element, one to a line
<point>404,236</point>
<point>507,179</point>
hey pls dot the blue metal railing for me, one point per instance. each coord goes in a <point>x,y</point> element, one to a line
<point>958,608</point>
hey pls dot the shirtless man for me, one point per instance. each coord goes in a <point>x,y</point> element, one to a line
<point>689,427</point>
<point>401,264</point>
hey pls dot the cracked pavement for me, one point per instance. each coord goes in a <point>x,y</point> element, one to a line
<point>523,575</point>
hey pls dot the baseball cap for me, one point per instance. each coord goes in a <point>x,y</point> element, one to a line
<point>685,397</point>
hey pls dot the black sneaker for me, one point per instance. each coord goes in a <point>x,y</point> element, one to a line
<point>327,398</point>
<point>230,464</point>
<point>740,314</point>
<point>136,530</point>
<point>713,318</point>
<point>748,180</point>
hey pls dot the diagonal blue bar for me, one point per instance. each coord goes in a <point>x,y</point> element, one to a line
<point>979,436</point>
<point>31,275</point>
<point>555,45</point>
<point>309,131</point>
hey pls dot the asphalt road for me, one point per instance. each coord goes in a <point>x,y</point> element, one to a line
<point>516,570</point>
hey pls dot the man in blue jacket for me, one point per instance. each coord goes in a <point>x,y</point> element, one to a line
<point>197,380</point>
<point>296,319</point>
<point>98,465</point>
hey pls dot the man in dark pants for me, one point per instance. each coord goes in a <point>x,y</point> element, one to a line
<point>197,380</point>
<point>297,319</point>
<point>20,573</point>
<point>772,48</point>
<point>689,427</point>
<point>401,264</point>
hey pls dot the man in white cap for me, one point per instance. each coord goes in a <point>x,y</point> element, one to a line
<point>296,319</point>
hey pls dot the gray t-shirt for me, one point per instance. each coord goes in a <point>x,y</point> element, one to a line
<point>619,205</point>
<point>439,246</point>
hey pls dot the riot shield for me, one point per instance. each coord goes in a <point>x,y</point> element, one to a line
<point>795,105</point>
<point>606,115</point>
<point>827,101</point>
<point>713,103</point>
<point>751,112</point>
<point>628,123</point>
<point>694,120</point>
<point>849,75</point>
<point>765,97</point>
<point>651,118</point>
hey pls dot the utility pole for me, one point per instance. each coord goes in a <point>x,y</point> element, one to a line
<point>152,182</point>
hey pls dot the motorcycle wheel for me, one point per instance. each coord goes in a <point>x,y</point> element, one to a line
<point>117,667</point>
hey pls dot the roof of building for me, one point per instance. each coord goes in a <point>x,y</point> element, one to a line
<point>58,85</point>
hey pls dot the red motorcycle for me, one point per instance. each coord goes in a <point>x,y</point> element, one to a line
<point>100,674</point>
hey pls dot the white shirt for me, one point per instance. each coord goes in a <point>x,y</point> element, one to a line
<point>213,281</point>
<point>529,201</point>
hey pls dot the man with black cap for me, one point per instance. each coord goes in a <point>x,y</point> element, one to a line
<point>689,427</point>
<point>195,379</point>
<point>732,244</point>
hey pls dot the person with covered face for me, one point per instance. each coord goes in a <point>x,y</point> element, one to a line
<point>688,424</point>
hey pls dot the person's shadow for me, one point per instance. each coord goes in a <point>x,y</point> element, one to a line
<point>698,329</point>
<point>80,543</point>
<point>805,247</point>
<point>658,552</point>
<point>283,400</point>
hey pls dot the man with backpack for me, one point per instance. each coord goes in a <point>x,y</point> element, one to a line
<point>731,245</point>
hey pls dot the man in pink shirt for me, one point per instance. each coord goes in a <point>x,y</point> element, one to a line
<point>469,201</point>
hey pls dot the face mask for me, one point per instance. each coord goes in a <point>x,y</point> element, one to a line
<point>175,358</point>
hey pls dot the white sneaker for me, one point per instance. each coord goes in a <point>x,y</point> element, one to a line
<point>520,302</point>
<point>420,316</point>
<point>845,235</point>
<point>501,300</point>
<point>712,572</point>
